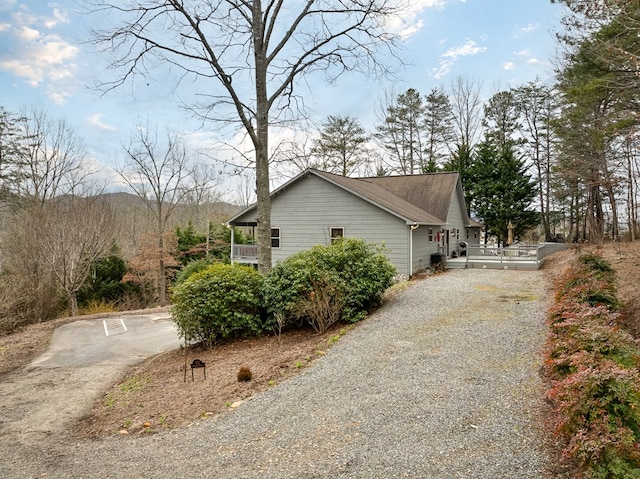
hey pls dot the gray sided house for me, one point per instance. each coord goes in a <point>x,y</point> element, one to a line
<point>412,216</point>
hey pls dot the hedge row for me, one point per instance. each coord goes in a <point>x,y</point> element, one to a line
<point>320,286</point>
<point>593,366</point>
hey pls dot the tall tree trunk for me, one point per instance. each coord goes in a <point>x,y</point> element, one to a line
<point>162,278</point>
<point>262,143</point>
<point>544,211</point>
<point>632,198</point>
<point>595,215</point>
<point>72,298</point>
<point>614,211</point>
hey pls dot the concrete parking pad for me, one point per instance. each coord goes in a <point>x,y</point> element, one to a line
<point>130,339</point>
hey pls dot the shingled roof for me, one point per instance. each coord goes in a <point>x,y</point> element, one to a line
<point>430,193</point>
<point>420,199</point>
<point>385,198</point>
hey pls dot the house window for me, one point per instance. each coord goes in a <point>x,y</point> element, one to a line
<point>457,233</point>
<point>336,233</point>
<point>430,234</point>
<point>275,237</point>
<point>467,233</point>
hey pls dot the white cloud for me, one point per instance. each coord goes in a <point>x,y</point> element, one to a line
<point>535,61</point>
<point>58,95</point>
<point>523,53</point>
<point>28,34</point>
<point>523,31</point>
<point>469,48</point>
<point>451,56</point>
<point>408,22</point>
<point>508,66</point>
<point>96,120</point>
<point>56,18</point>
<point>40,59</point>
<point>7,4</point>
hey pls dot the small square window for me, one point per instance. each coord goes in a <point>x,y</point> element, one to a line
<point>336,233</point>
<point>275,237</point>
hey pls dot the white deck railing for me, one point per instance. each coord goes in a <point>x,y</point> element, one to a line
<point>245,251</point>
<point>519,253</point>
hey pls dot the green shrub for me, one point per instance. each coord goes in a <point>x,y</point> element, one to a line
<point>190,269</point>
<point>597,266</point>
<point>219,303</point>
<point>352,272</point>
<point>322,306</point>
<point>105,284</point>
<point>599,414</point>
<point>594,367</point>
<point>590,280</point>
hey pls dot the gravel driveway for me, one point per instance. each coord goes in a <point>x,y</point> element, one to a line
<point>440,383</point>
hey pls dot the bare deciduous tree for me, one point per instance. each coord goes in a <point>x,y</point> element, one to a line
<point>54,157</point>
<point>73,233</point>
<point>254,52</point>
<point>157,173</point>
<point>467,110</point>
<point>12,153</point>
<point>201,194</point>
<point>539,108</point>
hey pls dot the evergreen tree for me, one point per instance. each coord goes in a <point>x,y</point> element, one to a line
<point>462,161</point>
<point>401,132</point>
<point>341,146</point>
<point>438,126</point>
<point>501,118</point>
<point>503,191</point>
<point>191,244</point>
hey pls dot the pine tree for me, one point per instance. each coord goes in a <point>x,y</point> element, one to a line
<point>503,192</point>
<point>341,146</point>
<point>401,132</point>
<point>438,126</point>
<point>462,161</point>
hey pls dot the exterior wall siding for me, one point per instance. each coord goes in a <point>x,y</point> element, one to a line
<point>311,206</point>
<point>456,220</point>
<point>306,210</point>
<point>423,248</point>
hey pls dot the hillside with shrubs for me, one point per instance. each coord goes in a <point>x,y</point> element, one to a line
<point>592,360</point>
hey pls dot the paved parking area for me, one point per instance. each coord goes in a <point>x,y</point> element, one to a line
<point>113,340</point>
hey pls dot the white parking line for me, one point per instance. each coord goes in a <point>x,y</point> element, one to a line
<point>113,326</point>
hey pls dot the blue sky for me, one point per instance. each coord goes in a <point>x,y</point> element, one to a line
<point>45,62</point>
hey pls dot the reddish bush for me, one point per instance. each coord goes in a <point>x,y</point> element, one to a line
<point>593,365</point>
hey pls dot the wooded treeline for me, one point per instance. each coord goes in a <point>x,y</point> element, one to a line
<point>67,243</point>
<point>562,155</point>
<point>550,159</point>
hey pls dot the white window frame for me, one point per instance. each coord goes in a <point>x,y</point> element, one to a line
<point>430,234</point>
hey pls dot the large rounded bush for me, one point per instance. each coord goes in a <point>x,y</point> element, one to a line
<point>190,269</point>
<point>347,277</point>
<point>219,303</point>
